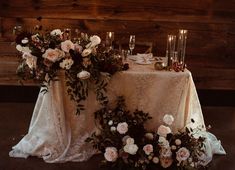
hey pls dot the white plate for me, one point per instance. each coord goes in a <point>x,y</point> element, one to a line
<point>136,57</point>
<point>143,63</point>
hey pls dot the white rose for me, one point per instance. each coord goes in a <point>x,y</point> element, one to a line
<point>163,130</point>
<point>168,119</point>
<point>165,152</point>
<point>155,160</point>
<point>66,63</point>
<point>182,154</point>
<point>122,128</point>
<point>163,142</point>
<point>67,45</point>
<point>23,49</point>
<point>56,32</point>
<point>113,128</point>
<point>86,52</point>
<point>149,136</point>
<point>130,141</point>
<point>53,55</point>
<point>111,154</point>
<point>110,123</point>
<point>83,75</point>
<point>178,142</point>
<point>148,149</point>
<point>131,149</point>
<point>31,60</point>
<point>95,40</point>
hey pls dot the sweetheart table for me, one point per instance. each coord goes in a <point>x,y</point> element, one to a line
<point>57,134</point>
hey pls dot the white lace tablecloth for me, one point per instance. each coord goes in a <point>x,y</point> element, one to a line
<point>57,134</point>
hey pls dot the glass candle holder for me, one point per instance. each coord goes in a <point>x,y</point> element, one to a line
<point>109,40</point>
<point>17,30</point>
<point>170,49</point>
<point>182,39</point>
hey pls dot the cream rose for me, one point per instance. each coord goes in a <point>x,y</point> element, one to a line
<point>23,49</point>
<point>95,40</point>
<point>131,149</point>
<point>163,130</point>
<point>53,55</point>
<point>178,142</point>
<point>83,75</point>
<point>130,141</point>
<point>67,45</point>
<point>182,154</point>
<point>165,152</point>
<point>30,60</point>
<point>66,63</point>
<point>56,32</point>
<point>163,142</point>
<point>148,149</point>
<point>110,123</point>
<point>155,160</point>
<point>168,119</point>
<point>173,147</point>
<point>86,52</point>
<point>111,154</point>
<point>113,128</point>
<point>122,128</point>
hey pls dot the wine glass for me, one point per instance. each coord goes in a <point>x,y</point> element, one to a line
<point>132,43</point>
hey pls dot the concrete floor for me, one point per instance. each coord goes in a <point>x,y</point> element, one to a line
<point>15,119</point>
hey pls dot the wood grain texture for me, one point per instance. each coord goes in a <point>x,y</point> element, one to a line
<point>211,24</point>
<point>191,11</point>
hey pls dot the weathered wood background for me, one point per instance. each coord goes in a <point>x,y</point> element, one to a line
<point>211,24</point>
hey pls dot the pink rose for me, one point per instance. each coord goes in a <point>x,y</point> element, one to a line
<point>67,45</point>
<point>111,154</point>
<point>182,154</point>
<point>166,162</point>
<point>122,128</point>
<point>148,149</point>
<point>163,130</point>
<point>78,48</point>
<point>53,55</point>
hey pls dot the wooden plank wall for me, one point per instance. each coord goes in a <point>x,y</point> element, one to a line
<point>211,24</point>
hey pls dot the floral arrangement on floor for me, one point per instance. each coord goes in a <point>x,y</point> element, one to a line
<point>126,144</point>
<point>45,53</point>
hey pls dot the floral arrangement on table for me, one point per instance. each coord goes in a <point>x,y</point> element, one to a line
<point>126,144</point>
<point>86,66</point>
